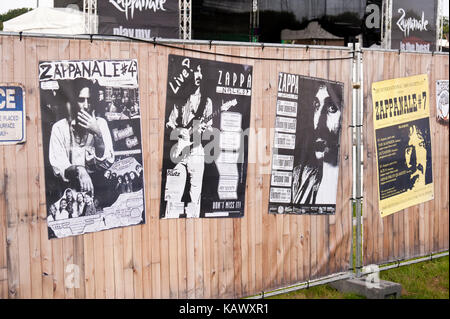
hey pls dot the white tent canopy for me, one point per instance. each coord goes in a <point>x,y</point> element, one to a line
<point>48,20</point>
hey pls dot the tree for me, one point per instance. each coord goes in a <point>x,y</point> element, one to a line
<point>12,14</point>
<point>445,26</point>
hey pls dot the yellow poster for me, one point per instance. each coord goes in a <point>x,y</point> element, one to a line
<point>401,117</point>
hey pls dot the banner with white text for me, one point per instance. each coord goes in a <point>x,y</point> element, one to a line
<point>414,25</point>
<point>139,19</point>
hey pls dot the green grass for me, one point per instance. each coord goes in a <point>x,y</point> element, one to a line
<point>424,280</point>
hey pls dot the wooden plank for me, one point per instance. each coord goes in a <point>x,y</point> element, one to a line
<point>443,65</point>
<point>322,260</point>
<point>258,85</point>
<point>3,229</point>
<point>442,166</point>
<point>429,206</point>
<point>33,170</point>
<point>368,226</point>
<point>331,220</point>
<point>128,264</point>
<point>241,250</point>
<point>46,254</point>
<point>198,231</point>
<point>172,245</point>
<point>313,223</point>
<point>102,50</point>
<point>278,220</point>
<point>237,261</point>
<point>78,241</point>
<point>137,230</point>
<point>99,265</point>
<point>401,214</point>
<point>117,234</point>
<point>347,171</point>
<point>378,248</point>
<point>68,242</point>
<point>181,259</point>
<point>57,244</point>
<point>3,209</point>
<point>145,103</point>
<point>89,266</point>
<point>128,260</point>
<point>396,236</point>
<point>3,238</point>
<point>236,234</point>
<point>215,259</point>
<point>20,163</point>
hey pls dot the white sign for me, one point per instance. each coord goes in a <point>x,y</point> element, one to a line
<point>12,114</point>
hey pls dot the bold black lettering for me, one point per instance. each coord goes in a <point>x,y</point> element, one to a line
<point>396,111</point>
<point>46,68</point>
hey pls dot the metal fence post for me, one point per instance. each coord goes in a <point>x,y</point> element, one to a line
<point>357,151</point>
<point>358,178</point>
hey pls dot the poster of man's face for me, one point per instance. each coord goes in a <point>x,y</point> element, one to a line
<point>442,98</point>
<point>306,148</point>
<point>92,145</point>
<point>405,161</point>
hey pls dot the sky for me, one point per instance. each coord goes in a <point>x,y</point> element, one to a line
<point>6,5</point>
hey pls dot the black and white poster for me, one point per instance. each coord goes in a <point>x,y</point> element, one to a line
<point>91,130</point>
<point>139,19</point>
<point>305,162</point>
<point>442,101</point>
<point>205,138</point>
<point>414,25</point>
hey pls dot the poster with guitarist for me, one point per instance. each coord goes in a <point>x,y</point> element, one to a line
<point>205,142</point>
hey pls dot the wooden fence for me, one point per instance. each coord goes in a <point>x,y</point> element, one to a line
<point>202,258</point>
<point>418,230</point>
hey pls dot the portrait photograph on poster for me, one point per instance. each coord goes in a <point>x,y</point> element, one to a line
<point>91,131</point>
<point>205,146</point>
<point>305,163</point>
<point>442,101</point>
<point>401,115</point>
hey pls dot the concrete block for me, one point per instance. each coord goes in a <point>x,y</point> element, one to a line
<point>382,290</point>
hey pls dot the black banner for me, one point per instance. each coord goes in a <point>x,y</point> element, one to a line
<point>139,19</point>
<point>205,146</point>
<point>305,163</point>
<point>414,25</point>
<point>91,131</point>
